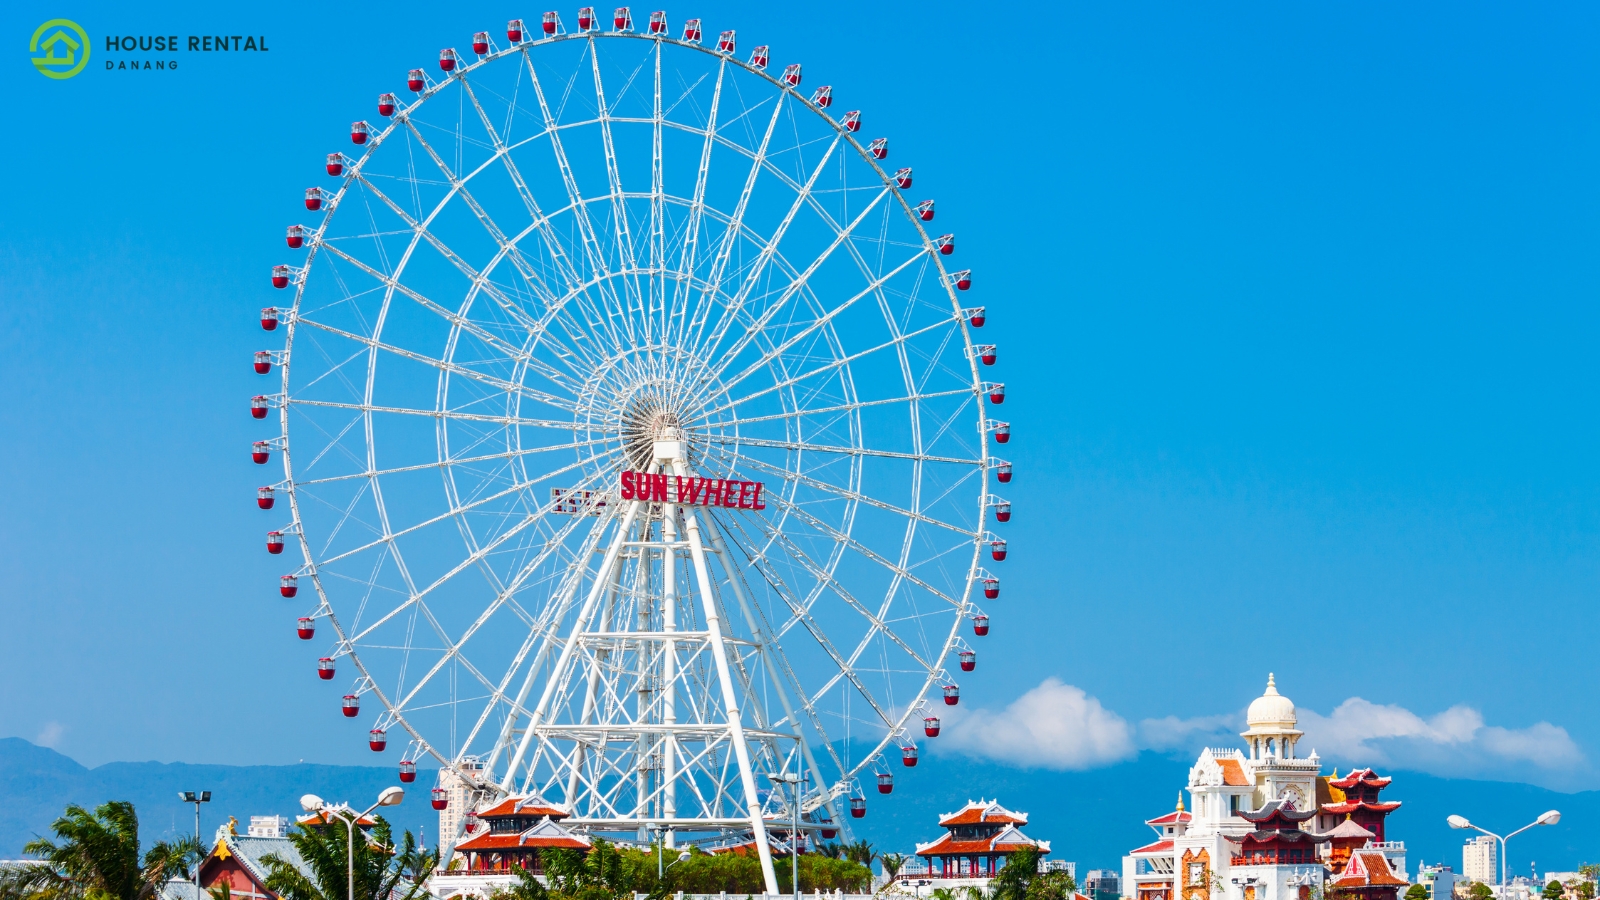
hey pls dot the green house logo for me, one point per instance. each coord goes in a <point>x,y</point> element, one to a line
<point>64,47</point>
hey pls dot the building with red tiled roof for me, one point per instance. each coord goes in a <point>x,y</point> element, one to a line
<point>978,839</point>
<point>513,834</point>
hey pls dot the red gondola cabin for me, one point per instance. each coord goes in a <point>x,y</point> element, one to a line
<point>274,542</point>
<point>447,59</point>
<point>377,740</point>
<point>280,276</point>
<point>930,726</point>
<point>480,42</point>
<point>359,132</point>
<point>988,354</point>
<point>260,452</point>
<point>885,782</point>
<point>350,705</point>
<point>585,20</point>
<point>514,31</point>
<point>823,98</point>
<point>314,194</point>
<point>991,588</point>
<point>963,279</point>
<point>902,178</point>
<point>997,550</point>
<point>1002,432</point>
<point>269,318</point>
<point>952,694</point>
<point>386,104</point>
<point>263,362</point>
<point>658,22</point>
<point>908,756</point>
<point>416,80</point>
<point>335,165</point>
<point>969,660</point>
<point>758,57</point>
<point>691,31</point>
<point>879,148</point>
<point>1002,473</point>
<point>295,237</point>
<point>947,245</point>
<point>725,42</point>
<point>325,669</point>
<point>828,833</point>
<point>441,798</point>
<point>622,19</point>
<point>852,121</point>
<point>551,23</point>
<point>258,407</point>
<point>858,807</point>
<point>288,585</point>
<point>264,498</point>
<point>980,624</point>
<point>977,317</point>
<point>791,75</point>
<point>408,771</point>
<point>305,628</point>
<point>924,210</point>
<point>1002,511</point>
<point>997,393</point>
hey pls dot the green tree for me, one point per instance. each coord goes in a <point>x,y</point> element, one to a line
<point>1417,892</point>
<point>892,863</point>
<point>1020,879</point>
<point>1480,891</point>
<point>95,856</point>
<point>1553,890</point>
<point>860,852</point>
<point>382,870</point>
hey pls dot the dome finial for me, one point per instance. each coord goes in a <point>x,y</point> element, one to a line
<point>1272,687</point>
<point>1180,801</point>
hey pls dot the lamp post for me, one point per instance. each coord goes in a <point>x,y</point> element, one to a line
<point>311,803</point>
<point>794,836</point>
<point>1549,818</point>
<point>197,798</point>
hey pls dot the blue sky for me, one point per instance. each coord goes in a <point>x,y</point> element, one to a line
<point>1296,308</point>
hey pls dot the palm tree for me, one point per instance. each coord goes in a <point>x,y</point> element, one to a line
<point>380,868</point>
<point>860,852</point>
<point>96,855</point>
<point>892,863</point>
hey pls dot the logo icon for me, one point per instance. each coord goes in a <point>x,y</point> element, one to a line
<point>65,46</point>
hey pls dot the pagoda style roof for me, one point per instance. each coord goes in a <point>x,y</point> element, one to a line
<point>1366,868</point>
<point>1276,809</point>
<point>1171,818</point>
<point>1349,830</point>
<point>545,834</point>
<point>1350,806</point>
<point>1009,840</point>
<point>979,812</point>
<point>1162,847</point>
<point>248,852</point>
<point>1360,776</point>
<point>523,805</point>
<point>318,820</point>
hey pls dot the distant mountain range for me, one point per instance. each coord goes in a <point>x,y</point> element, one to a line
<point>1090,817</point>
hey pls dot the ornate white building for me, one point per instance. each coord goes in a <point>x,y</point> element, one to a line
<point>1265,824</point>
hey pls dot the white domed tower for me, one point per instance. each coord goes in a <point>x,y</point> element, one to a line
<point>1272,735</point>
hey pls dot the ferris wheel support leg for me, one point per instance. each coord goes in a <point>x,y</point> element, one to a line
<point>669,672</point>
<point>730,697</point>
<point>721,550</point>
<point>558,672</point>
<point>580,754</point>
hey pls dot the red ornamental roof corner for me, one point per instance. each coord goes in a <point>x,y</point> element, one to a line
<point>1338,809</point>
<point>317,820</point>
<point>546,834</point>
<point>1360,776</point>
<point>1162,847</point>
<point>978,812</point>
<point>1008,840</point>
<point>1171,818</point>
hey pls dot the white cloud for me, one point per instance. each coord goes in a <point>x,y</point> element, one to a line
<point>1453,742</point>
<point>1052,726</point>
<point>50,735</point>
<point>1059,726</point>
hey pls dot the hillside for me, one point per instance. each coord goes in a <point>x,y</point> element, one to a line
<point>1091,817</point>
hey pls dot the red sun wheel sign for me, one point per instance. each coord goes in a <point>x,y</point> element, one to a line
<point>636,440</point>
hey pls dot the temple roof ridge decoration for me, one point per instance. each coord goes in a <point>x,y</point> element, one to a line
<point>982,811</point>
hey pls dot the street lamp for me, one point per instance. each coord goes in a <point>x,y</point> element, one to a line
<point>794,836</point>
<point>661,872</point>
<point>311,803</point>
<point>1549,818</point>
<point>197,798</point>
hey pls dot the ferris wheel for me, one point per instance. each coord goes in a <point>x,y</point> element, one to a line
<point>637,445</point>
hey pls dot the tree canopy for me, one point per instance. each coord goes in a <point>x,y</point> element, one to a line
<point>382,870</point>
<point>95,856</point>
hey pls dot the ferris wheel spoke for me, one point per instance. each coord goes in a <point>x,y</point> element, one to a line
<point>619,212</point>
<point>658,251</point>
<point>841,408</point>
<point>802,194</point>
<point>847,494</point>
<point>826,448</point>
<point>697,206</point>
<point>831,366</point>
<point>461,461</point>
<point>696,321</point>
<point>760,325</point>
<point>501,384</point>
<point>447,414</point>
<point>800,512</point>
<point>586,230</point>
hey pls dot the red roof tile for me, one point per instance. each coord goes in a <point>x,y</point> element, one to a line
<point>523,806</point>
<point>519,842</point>
<point>981,811</point>
<point>1171,818</point>
<point>1365,869</point>
<point>1157,847</point>
<point>1233,773</point>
